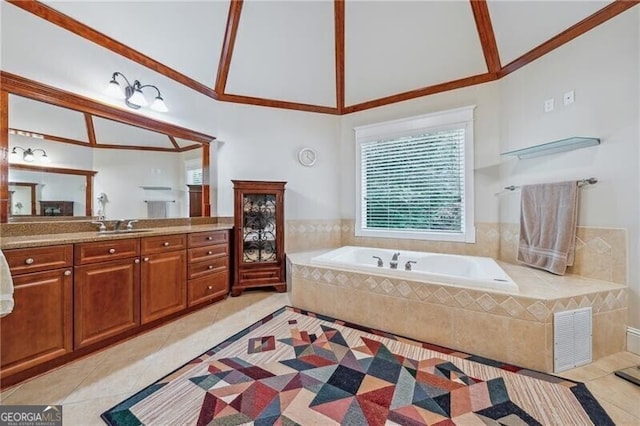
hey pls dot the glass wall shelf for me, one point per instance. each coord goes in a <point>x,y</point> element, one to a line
<point>554,147</point>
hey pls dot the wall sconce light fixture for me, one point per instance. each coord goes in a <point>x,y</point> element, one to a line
<point>28,154</point>
<point>132,94</point>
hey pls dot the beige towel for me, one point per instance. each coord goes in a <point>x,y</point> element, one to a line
<point>6,287</point>
<point>548,220</point>
<point>157,209</point>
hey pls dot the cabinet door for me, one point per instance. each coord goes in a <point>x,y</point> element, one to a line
<point>39,328</point>
<point>164,284</point>
<point>259,228</point>
<point>107,300</point>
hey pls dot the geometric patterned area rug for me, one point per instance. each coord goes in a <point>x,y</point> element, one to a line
<point>297,367</point>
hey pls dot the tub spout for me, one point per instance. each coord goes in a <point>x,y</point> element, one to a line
<point>380,263</point>
<point>393,263</point>
<point>407,266</point>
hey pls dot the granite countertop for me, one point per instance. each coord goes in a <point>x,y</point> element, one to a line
<point>39,240</point>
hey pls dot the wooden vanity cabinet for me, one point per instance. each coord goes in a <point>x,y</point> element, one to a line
<point>106,293</point>
<point>208,270</point>
<point>163,276</point>
<point>40,327</point>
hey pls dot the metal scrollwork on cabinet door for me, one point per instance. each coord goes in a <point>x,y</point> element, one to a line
<point>259,233</point>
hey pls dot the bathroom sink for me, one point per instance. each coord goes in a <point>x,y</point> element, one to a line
<point>123,231</point>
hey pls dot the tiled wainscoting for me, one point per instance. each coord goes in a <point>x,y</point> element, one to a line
<point>601,253</point>
<point>512,328</point>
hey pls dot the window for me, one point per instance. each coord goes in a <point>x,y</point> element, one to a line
<point>415,177</point>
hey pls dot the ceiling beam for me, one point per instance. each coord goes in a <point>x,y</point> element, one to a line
<point>91,132</point>
<point>68,23</point>
<point>249,100</point>
<point>41,92</point>
<point>603,15</point>
<point>174,143</point>
<point>53,138</point>
<point>233,20</point>
<point>487,37</point>
<point>430,90</point>
<point>338,9</point>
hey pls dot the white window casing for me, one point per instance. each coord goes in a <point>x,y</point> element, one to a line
<point>414,177</point>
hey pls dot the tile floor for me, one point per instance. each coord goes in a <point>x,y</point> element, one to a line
<point>90,386</point>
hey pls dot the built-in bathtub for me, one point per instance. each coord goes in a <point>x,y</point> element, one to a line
<point>453,270</point>
<point>444,309</point>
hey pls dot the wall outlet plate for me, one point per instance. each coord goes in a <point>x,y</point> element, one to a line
<point>548,105</point>
<point>569,98</point>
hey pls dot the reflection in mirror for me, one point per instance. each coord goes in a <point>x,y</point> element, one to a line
<point>50,194</point>
<point>143,174</point>
<point>22,198</point>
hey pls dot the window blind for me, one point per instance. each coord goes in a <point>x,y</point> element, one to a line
<point>414,183</point>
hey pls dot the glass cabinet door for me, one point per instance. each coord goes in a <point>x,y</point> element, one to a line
<point>259,228</point>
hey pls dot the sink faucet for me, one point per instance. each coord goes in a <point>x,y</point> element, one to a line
<point>116,226</point>
<point>101,227</point>
<point>129,226</point>
<point>380,263</point>
<point>393,264</point>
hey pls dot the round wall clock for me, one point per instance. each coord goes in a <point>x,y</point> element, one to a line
<point>307,157</point>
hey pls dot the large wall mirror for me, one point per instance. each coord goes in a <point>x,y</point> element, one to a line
<point>73,157</point>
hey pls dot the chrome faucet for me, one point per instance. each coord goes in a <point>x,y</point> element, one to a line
<point>101,227</point>
<point>393,264</point>
<point>407,265</point>
<point>129,226</point>
<point>380,263</point>
<point>116,226</point>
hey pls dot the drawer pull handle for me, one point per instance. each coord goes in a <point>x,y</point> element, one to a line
<point>210,287</point>
<point>112,250</point>
<point>136,261</point>
<point>210,266</point>
<point>146,259</point>
<point>209,238</point>
<point>67,273</point>
<point>166,244</point>
<point>29,261</point>
<point>209,252</point>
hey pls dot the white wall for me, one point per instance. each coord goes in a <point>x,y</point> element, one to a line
<point>262,144</point>
<point>602,67</point>
<point>486,136</point>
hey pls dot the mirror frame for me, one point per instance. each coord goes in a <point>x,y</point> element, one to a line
<point>17,85</point>
<point>32,190</point>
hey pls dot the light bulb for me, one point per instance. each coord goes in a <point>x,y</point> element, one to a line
<point>114,90</point>
<point>137,98</point>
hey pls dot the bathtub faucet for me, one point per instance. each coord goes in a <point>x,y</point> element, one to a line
<point>407,266</point>
<point>393,264</point>
<point>380,263</point>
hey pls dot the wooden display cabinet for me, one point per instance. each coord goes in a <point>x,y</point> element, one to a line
<point>258,235</point>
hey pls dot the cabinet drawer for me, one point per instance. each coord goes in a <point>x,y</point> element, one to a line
<point>208,287</point>
<point>150,245</point>
<point>208,252</point>
<point>101,251</point>
<point>260,276</point>
<point>39,258</point>
<point>208,267</point>
<point>207,238</point>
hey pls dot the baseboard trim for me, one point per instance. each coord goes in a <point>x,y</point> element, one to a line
<point>633,340</point>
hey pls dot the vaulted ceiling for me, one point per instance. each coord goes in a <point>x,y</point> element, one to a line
<point>333,57</point>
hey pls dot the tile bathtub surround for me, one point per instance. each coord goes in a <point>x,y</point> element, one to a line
<point>466,319</point>
<point>601,253</point>
<point>313,234</point>
<point>487,241</point>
